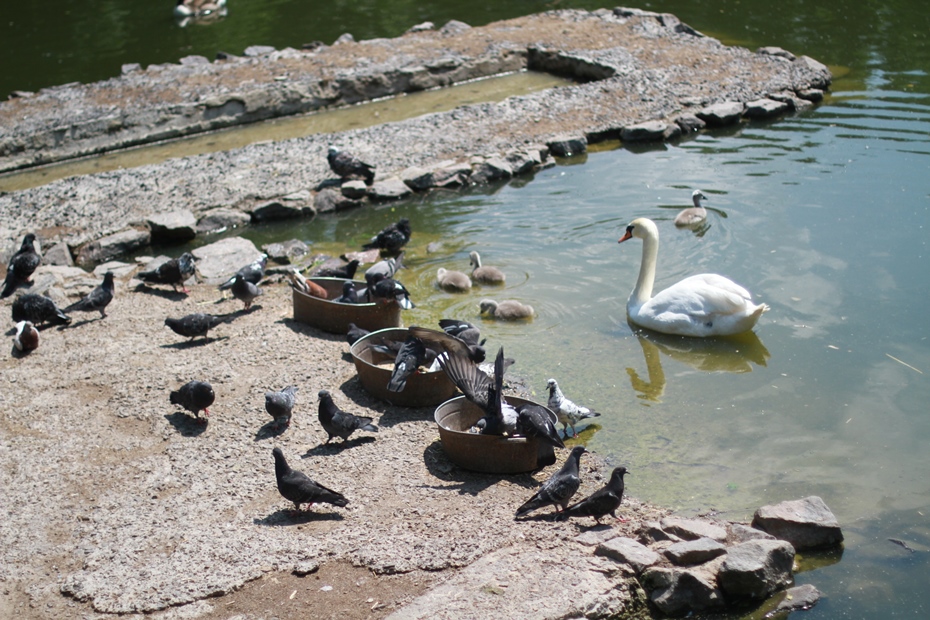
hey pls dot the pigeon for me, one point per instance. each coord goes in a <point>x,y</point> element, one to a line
<point>280,404</point>
<point>38,309</point>
<point>410,357</point>
<point>604,501</point>
<point>535,421</point>
<point>507,310</point>
<point>253,272</point>
<point>559,488</point>
<point>453,281</point>
<point>21,266</point>
<point>355,333</point>
<point>98,299</point>
<point>346,271</point>
<point>388,290</point>
<point>245,291</point>
<point>174,271</point>
<point>392,238</point>
<point>194,396</point>
<point>338,423</point>
<point>695,215</point>
<point>27,337</point>
<point>347,165</point>
<point>452,343</point>
<point>349,294</point>
<point>194,325</point>
<point>483,391</point>
<point>484,274</point>
<point>297,487</point>
<point>383,269</point>
<point>568,412</point>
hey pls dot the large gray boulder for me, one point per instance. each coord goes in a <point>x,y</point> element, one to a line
<point>490,170</point>
<point>222,218</point>
<point>754,570</point>
<point>218,261</point>
<point>720,114</point>
<point>171,227</point>
<point>391,188</point>
<point>698,551</point>
<point>805,523</point>
<point>112,246</point>
<point>692,529</point>
<point>680,591</point>
<point>628,551</point>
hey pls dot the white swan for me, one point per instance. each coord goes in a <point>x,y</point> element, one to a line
<point>703,305</point>
<point>694,215</point>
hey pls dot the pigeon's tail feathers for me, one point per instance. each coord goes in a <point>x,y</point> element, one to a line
<point>9,285</point>
<point>332,497</point>
<point>532,504</point>
<point>370,427</point>
<point>60,318</point>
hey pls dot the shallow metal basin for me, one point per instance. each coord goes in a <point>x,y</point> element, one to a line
<point>335,317</point>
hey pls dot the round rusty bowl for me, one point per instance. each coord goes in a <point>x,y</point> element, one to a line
<point>375,368</point>
<point>334,317</point>
<point>491,454</point>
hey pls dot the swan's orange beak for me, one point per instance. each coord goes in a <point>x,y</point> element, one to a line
<point>628,235</point>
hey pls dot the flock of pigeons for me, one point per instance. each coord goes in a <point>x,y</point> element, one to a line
<point>457,349</point>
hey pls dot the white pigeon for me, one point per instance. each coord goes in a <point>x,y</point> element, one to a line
<point>569,413</point>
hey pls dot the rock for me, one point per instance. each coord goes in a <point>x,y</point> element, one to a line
<point>286,207</point>
<point>680,591</point>
<point>776,51</point>
<point>345,37</point>
<point>222,218</point>
<point>650,131</point>
<point>258,50</point>
<point>522,162</point>
<point>697,551</point>
<point>422,27</point>
<point>738,533</point>
<point>805,523</point>
<point>58,254</point>
<point>596,535</point>
<point>628,551</point>
<point>112,246</point>
<point>172,227</point>
<point>354,189</point>
<point>794,102</point>
<point>330,199</point>
<point>652,532</point>
<point>444,174</point>
<point>720,114</point>
<point>754,570</point>
<point>765,108</point>
<point>391,188</point>
<point>690,123</point>
<point>797,598</point>
<point>119,269</point>
<point>490,170</point>
<point>218,261</point>
<point>567,147</point>
<point>822,75</point>
<point>811,94</point>
<point>286,252</point>
<point>454,27</point>
<point>691,529</point>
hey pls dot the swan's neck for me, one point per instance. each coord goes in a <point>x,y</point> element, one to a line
<point>642,292</point>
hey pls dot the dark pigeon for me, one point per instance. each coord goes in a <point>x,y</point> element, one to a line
<point>535,421</point>
<point>21,266</point>
<point>392,238</point>
<point>245,291</point>
<point>338,423</point>
<point>559,489</point>
<point>388,290</point>
<point>346,271</point>
<point>383,269</point>
<point>349,294</point>
<point>298,488</point>
<point>281,404</point>
<point>194,325</point>
<point>444,341</point>
<point>27,337</point>
<point>38,309</point>
<point>175,271</point>
<point>355,333</point>
<point>347,165</point>
<point>409,358</point>
<point>604,501</point>
<point>253,272</point>
<point>98,299</point>
<point>484,391</point>
<point>195,396</point>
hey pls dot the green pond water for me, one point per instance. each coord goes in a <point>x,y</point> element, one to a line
<point>824,216</point>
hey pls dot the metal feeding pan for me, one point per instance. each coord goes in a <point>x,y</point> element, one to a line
<point>491,454</point>
<point>375,368</point>
<point>335,317</point>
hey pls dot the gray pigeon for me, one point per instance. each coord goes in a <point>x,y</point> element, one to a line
<point>560,488</point>
<point>21,266</point>
<point>245,291</point>
<point>297,487</point>
<point>253,272</point>
<point>194,325</point>
<point>383,269</point>
<point>349,294</point>
<point>604,501</point>
<point>195,396</point>
<point>27,337</point>
<point>281,404</point>
<point>38,309</point>
<point>174,271</point>
<point>568,412</point>
<point>534,421</point>
<point>98,299</point>
<point>347,165</point>
<point>338,423</point>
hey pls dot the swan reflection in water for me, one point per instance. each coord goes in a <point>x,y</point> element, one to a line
<point>722,354</point>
